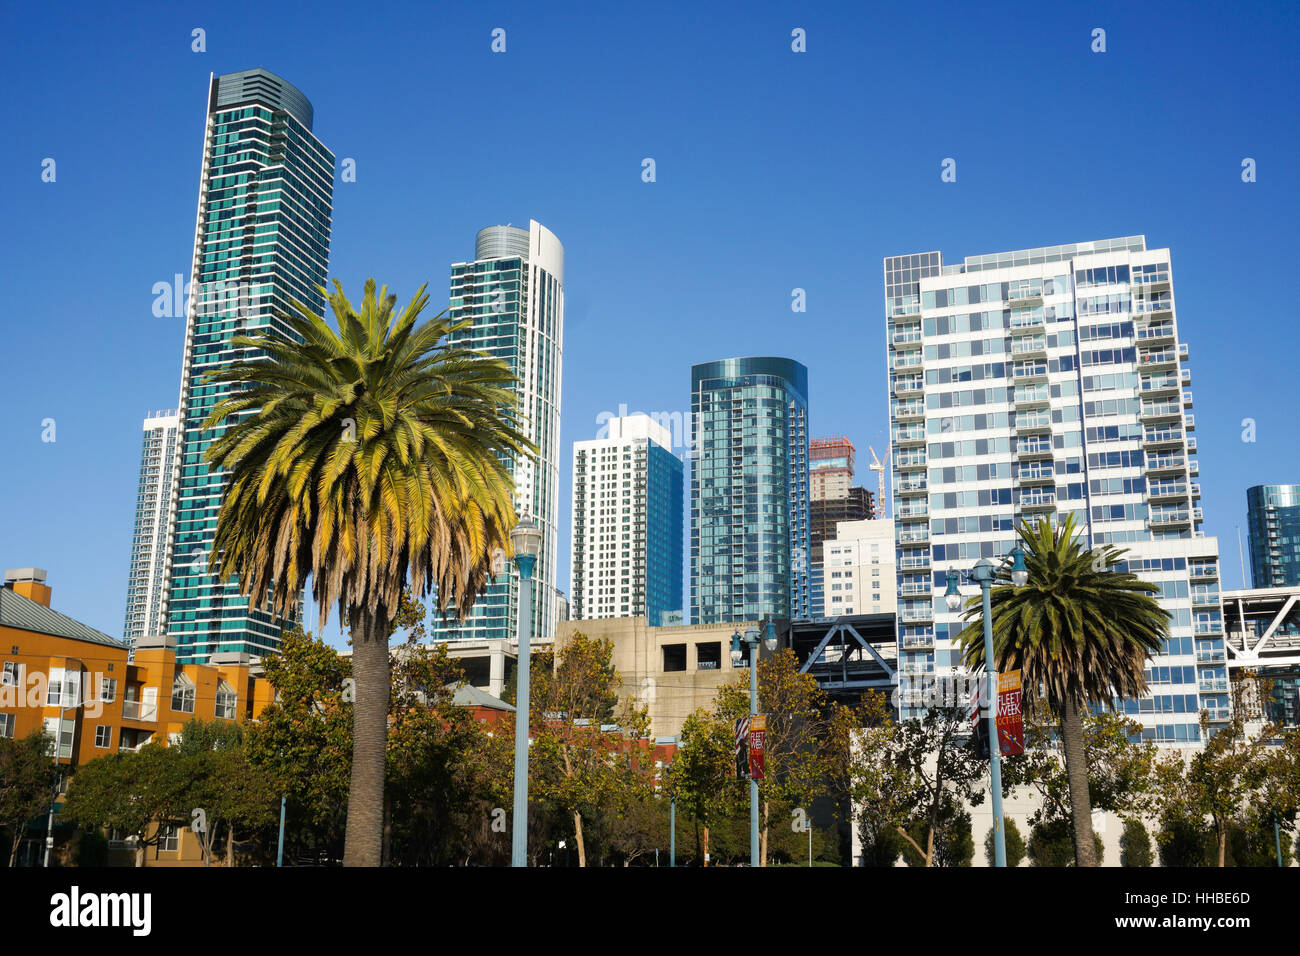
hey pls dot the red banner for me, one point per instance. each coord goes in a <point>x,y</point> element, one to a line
<point>757,738</point>
<point>1011,726</point>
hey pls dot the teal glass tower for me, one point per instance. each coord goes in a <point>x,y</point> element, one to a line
<point>1273,515</point>
<point>512,295</point>
<point>750,538</point>
<point>261,242</point>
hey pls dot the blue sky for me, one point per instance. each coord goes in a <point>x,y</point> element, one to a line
<point>775,170</point>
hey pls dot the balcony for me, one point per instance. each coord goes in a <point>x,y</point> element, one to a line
<point>1024,298</point>
<point>1157,358</point>
<point>1035,347</point>
<point>917,563</point>
<point>1204,572</point>
<point>1160,306</point>
<point>1033,448</point>
<point>1157,333</point>
<point>916,615</point>
<point>1163,436</point>
<point>1167,519</point>
<point>1205,600</point>
<point>918,643</point>
<point>1193,467</point>
<point>1191,443</point>
<point>909,409</point>
<point>1023,323</point>
<point>904,360</point>
<point>1153,411</point>
<point>1152,282</point>
<point>916,536</point>
<point>1189,421</point>
<point>916,590</point>
<point>1033,474</point>
<point>1167,489</point>
<point>908,310</point>
<point>137,710</point>
<point>1187,399</point>
<point>1154,385</point>
<point>911,486</point>
<point>1208,627</point>
<point>909,385</point>
<point>1029,371</point>
<point>1217,715</point>
<point>914,509</point>
<point>1184,353</point>
<point>1038,501</point>
<point>1037,421</point>
<point>909,435</point>
<point>1185,376</point>
<point>1212,685</point>
<point>1031,396</point>
<point>909,460</point>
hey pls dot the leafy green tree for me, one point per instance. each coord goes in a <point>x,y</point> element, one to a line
<point>948,836</point>
<point>579,765</point>
<point>368,458</point>
<point>880,842</point>
<point>1078,628</point>
<point>138,794</point>
<point>27,781</point>
<point>702,775</point>
<point>236,797</point>
<point>1013,841</point>
<point>1135,845</point>
<point>1183,841</point>
<point>1052,843</point>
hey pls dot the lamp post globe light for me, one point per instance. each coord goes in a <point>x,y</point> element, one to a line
<point>984,573</point>
<point>526,541</point>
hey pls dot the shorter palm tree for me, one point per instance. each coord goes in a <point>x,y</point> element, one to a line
<point>1079,631</point>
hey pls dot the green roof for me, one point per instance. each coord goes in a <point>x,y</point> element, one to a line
<point>28,615</point>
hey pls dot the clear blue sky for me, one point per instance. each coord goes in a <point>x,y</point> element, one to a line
<point>775,170</point>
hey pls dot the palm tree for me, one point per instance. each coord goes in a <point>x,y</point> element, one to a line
<point>369,458</point>
<point>1079,632</point>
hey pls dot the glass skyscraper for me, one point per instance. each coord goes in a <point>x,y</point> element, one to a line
<point>750,539</point>
<point>1273,514</point>
<point>626,542</point>
<point>1048,382</point>
<point>513,296</point>
<point>261,242</point>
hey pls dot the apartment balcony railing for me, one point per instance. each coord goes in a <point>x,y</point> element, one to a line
<point>1206,600</point>
<point>1208,627</point>
<point>911,486</point>
<point>914,590</point>
<point>1034,421</point>
<point>1024,298</point>
<point>1165,462</point>
<point>1151,281</point>
<point>1169,519</point>
<point>1212,685</point>
<point>909,436</point>
<point>1157,358</point>
<point>918,643</point>
<point>1163,436</point>
<point>1184,352</point>
<point>909,385</point>
<point>1189,421</point>
<point>1030,321</point>
<point>1033,448</point>
<point>918,536</point>
<point>1036,473</point>
<point>1204,572</point>
<point>906,360</point>
<point>914,564</point>
<point>1157,305</point>
<point>1155,333</point>
<point>1035,347</point>
<point>910,459</point>
<point>910,308</point>
<point>1040,501</point>
<point>1158,384</point>
<point>916,509</point>
<point>137,710</point>
<point>1187,399</point>
<point>1185,376</point>
<point>1026,396</point>
<point>906,337</point>
<point>1167,489</point>
<point>1218,715</point>
<point>1156,410</point>
<point>917,667</point>
<point>909,409</point>
<point>1029,371</point>
<point>916,615</point>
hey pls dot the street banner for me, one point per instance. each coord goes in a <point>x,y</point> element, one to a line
<point>757,741</point>
<point>1011,726</point>
<point>742,749</point>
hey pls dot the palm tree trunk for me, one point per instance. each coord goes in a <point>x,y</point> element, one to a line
<point>1076,770</point>
<point>363,841</point>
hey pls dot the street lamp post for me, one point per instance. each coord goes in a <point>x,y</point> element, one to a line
<point>750,638</point>
<point>526,539</point>
<point>983,574</point>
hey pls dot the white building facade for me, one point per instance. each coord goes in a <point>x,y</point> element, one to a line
<point>1047,382</point>
<point>146,589</point>
<point>626,535</point>
<point>860,568</point>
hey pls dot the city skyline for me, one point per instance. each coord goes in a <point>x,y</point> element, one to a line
<point>1227,237</point>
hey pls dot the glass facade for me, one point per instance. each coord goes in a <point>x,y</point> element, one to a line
<point>1048,382</point>
<point>146,595</point>
<point>1273,515</point>
<point>750,541</point>
<point>262,242</point>
<point>512,296</point>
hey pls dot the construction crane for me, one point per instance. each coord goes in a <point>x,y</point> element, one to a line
<point>878,466</point>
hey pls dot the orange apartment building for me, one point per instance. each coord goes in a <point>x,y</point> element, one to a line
<point>77,684</point>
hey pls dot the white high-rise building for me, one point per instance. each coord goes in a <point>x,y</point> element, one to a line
<point>512,294</point>
<point>146,590</point>
<point>626,541</point>
<point>1047,382</point>
<point>860,568</point>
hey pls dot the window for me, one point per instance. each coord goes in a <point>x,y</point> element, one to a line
<point>709,655</point>
<point>103,736</point>
<point>10,676</point>
<point>6,725</point>
<point>674,657</point>
<point>171,839</point>
<point>108,689</point>
<point>226,700</point>
<point>183,694</point>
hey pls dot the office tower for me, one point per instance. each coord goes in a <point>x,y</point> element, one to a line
<point>512,294</point>
<point>861,569</point>
<point>749,490</point>
<point>626,541</point>
<point>261,242</point>
<point>832,498</point>
<point>1047,382</point>
<point>1273,515</point>
<point>146,598</point>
